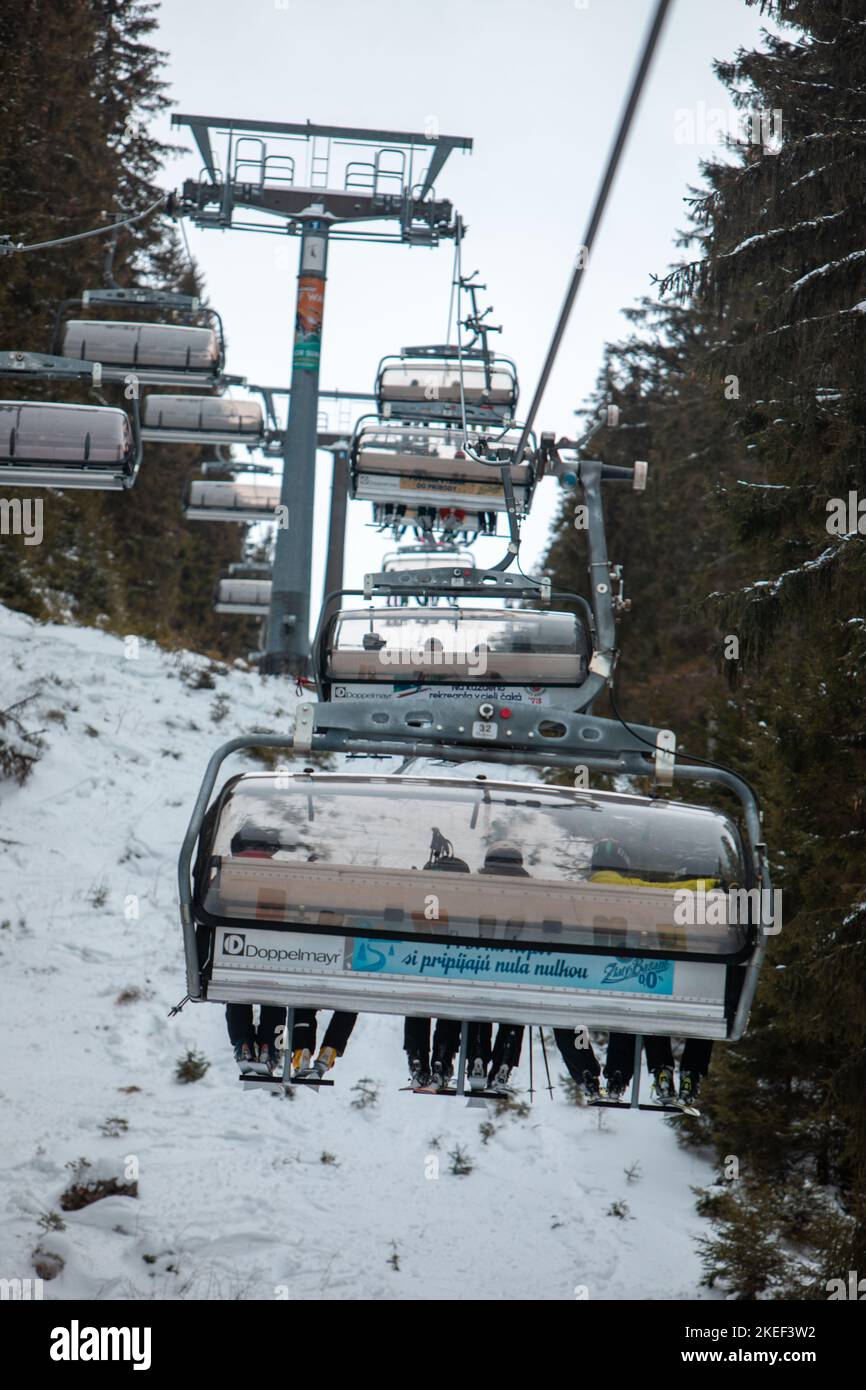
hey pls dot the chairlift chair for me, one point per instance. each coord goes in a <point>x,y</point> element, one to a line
<point>430,470</point>
<point>65,445</point>
<point>241,501</point>
<point>245,596</point>
<point>340,907</point>
<point>157,353</point>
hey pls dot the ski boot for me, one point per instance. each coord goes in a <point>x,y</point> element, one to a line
<point>498,1082</point>
<point>690,1087</point>
<point>419,1074</point>
<point>478,1075</point>
<point>325,1060</point>
<point>301,1064</point>
<point>663,1086</point>
<point>266,1057</point>
<point>616,1086</point>
<point>589,1088</point>
<point>442,1073</point>
<point>244,1056</point>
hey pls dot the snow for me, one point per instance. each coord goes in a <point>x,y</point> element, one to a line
<point>235,1200</point>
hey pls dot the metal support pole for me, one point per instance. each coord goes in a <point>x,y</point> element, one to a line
<point>288,642</point>
<point>635,1081</point>
<point>337,522</point>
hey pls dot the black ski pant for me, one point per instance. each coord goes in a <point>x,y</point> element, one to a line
<point>272,1019</point>
<point>239,1021</point>
<point>620,1055</point>
<point>577,1059</point>
<point>506,1048</point>
<point>446,1039</point>
<point>337,1033</point>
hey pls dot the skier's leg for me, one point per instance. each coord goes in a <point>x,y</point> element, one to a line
<point>303,1032</point>
<point>694,1065</point>
<point>658,1053</point>
<point>660,1060</point>
<point>506,1049</point>
<point>338,1032</point>
<point>446,1036</point>
<point>696,1055</point>
<point>416,1042</point>
<point>577,1059</point>
<point>272,1024</point>
<point>619,1065</point>
<point>478,1054</point>
<point>480,1042</point>
<point>239,1022</point>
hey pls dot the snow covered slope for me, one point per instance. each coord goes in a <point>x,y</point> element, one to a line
<point>243,1195</point>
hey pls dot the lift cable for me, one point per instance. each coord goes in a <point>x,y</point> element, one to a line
<point>692,757</point>
<point>9,248</point>
<point>638,81</point>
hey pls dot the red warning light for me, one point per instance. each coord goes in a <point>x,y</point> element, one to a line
<point>505,714</point>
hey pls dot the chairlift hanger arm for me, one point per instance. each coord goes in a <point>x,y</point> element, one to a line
<point>47,367</point>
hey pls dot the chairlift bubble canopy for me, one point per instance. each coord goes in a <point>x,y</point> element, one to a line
<point>533,656</point>
<point>247,596</point>
<point>548,905</point>
<point>202,420</point>
<point>240,501</point>
<point>60,445</point>
<point>425,384</point>
<point>159,354</point>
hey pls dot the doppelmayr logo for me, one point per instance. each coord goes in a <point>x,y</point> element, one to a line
<point>77,1343</point>
<point>236,944</point>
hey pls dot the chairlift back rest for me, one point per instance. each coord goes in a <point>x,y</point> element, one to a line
<point>372,460</point>
<point>482,907</point>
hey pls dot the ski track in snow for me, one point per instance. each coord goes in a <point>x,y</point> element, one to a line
<point>234,1200</point>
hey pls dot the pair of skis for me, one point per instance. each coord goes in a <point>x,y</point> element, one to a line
<point>255,1075</point>
<point>672,1106</point>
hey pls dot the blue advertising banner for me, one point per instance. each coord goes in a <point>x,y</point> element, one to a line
<point>551,969</point>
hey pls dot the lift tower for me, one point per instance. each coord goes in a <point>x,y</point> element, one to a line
<point>321,183</point>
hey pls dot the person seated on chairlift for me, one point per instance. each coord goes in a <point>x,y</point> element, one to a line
<point>611,863</point>
<point>489,1067</point>
<point>265,1042</point>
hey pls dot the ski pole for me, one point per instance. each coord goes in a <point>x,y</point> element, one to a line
<point>546,1067</point>
<point>531,1086</point>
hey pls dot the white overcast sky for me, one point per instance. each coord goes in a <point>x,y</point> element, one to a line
<point>538,85</point>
